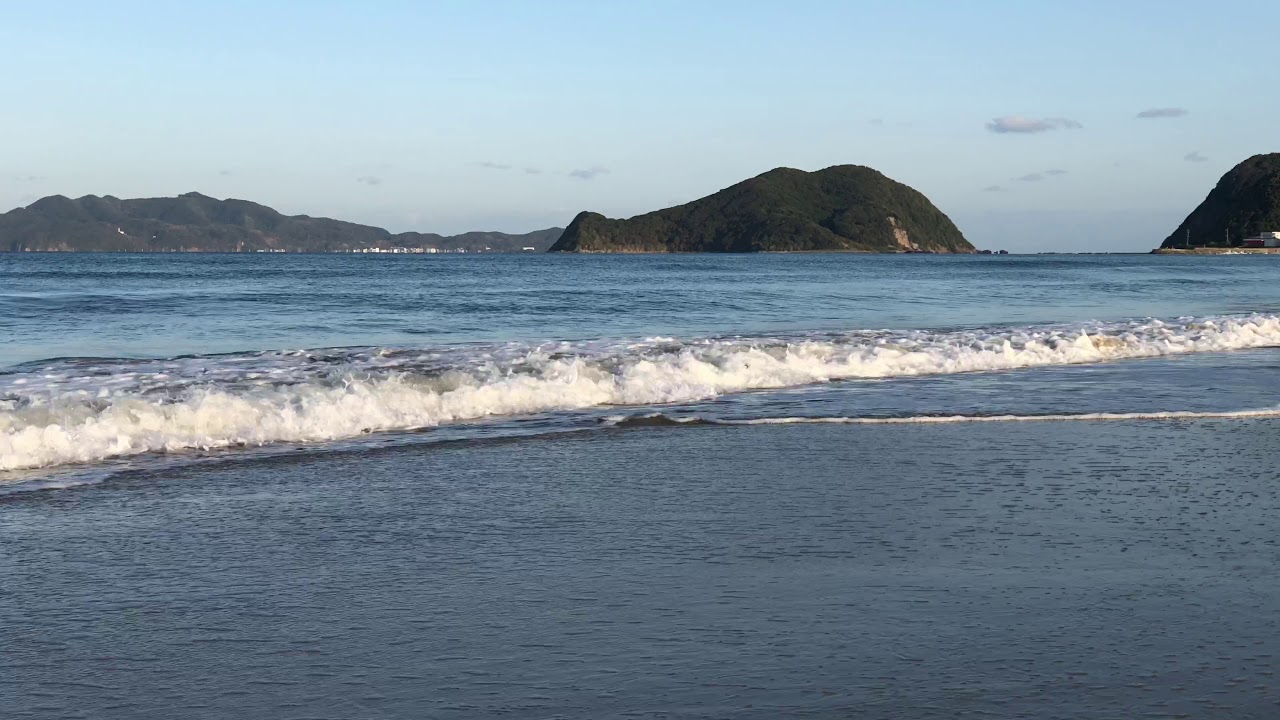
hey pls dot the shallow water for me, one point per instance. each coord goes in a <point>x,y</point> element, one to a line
<point>1018,570</point>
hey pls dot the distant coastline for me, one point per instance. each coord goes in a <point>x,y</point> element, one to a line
<point>1216,251</point>
<point>195,223</point>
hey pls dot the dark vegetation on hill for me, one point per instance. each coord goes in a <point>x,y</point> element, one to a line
<point>198,223</point>
<point>1245,202</point>
<point>843,208</point>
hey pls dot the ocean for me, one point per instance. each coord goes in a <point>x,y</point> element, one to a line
<point>695,486</point>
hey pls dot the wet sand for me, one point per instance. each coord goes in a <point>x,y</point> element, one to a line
<point>1001,570</point>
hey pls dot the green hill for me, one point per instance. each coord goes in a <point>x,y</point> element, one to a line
<point>1245,202</point>
<point>846,208</point>
<point>199,223</point>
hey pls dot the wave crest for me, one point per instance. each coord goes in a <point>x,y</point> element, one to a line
<point>61,414</point>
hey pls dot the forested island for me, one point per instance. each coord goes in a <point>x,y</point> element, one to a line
<point>846,208</point>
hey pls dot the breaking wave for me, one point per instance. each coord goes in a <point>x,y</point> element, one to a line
<point>85,410</point>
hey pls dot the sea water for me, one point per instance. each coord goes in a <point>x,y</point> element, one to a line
<point>120,360</point>
<point>744,487</point>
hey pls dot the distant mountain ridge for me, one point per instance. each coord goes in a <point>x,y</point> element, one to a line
<point>198,223</point>
<point>845,208</point>
<point>1245,202</point>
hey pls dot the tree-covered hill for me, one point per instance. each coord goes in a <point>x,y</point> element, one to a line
<point>1245,202</point>
<point>843,208</point>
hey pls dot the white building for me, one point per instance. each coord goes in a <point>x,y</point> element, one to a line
<point>1266,239</point>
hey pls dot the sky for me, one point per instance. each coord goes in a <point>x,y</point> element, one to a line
<point>1036,125</point>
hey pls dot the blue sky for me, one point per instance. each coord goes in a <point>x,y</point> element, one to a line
<point>1020,119</point>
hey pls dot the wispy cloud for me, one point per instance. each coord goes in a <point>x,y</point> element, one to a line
<point>880,122</point>
<point>369,180</point>
<point>590,173</point>
<point>1168,112</point>
<point>30,178</point>
<point>1195,156</point>
<point>1025,125</point>
<point>994,188</point>
<point>1042,175</point>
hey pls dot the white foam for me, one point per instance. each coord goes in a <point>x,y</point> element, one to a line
<point>78,413</point>
<point>946,419</point>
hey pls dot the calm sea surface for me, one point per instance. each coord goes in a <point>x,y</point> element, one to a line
<point>284,486</point>
<point>155,306</point>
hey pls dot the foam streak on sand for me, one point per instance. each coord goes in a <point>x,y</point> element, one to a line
<point>58,413</point>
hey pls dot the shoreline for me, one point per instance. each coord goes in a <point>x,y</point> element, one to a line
<point>1216,251</point>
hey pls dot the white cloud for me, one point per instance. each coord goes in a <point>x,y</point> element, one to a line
<point>1024,125</point>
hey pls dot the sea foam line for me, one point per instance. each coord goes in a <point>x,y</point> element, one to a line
<point>59,426</point>
<point>1060,417</point>
<point>662,419</point>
